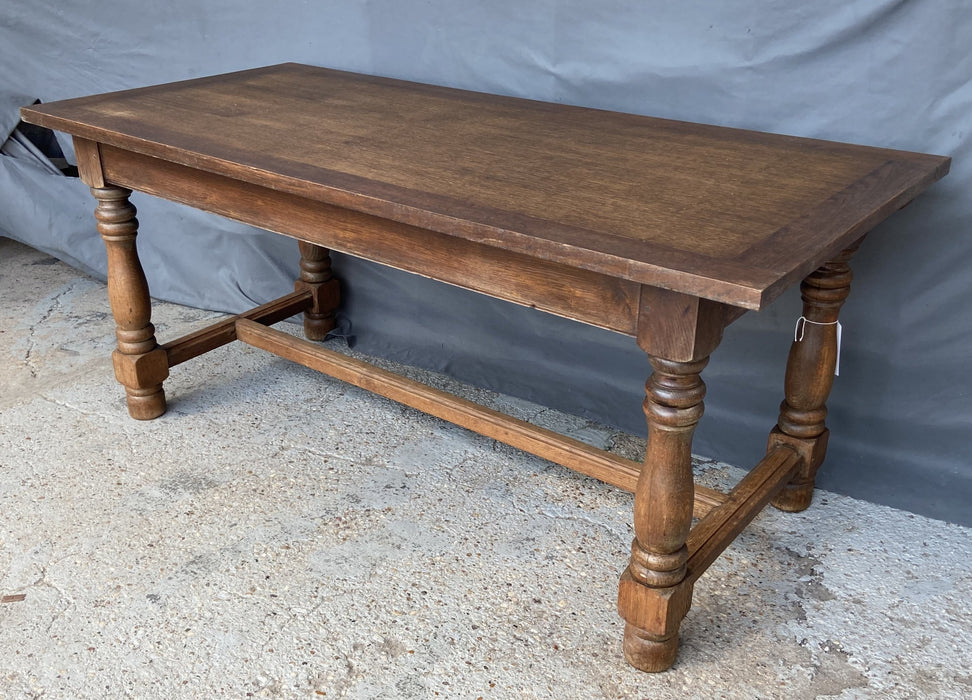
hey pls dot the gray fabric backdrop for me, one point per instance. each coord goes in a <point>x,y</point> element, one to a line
<point>881,72</point>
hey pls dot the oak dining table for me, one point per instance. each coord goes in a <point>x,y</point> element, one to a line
<point>662,230</point>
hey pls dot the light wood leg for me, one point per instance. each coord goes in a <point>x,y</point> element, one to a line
<point>316,276</point>
<point>140,364</point>
<point>654,595</point>
<point>810,377</point>
<point>678,332</point>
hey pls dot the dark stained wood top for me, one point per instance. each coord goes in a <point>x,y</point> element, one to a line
<point>731,215</point>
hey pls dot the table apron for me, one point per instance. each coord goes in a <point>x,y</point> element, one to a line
<point>578,294</point>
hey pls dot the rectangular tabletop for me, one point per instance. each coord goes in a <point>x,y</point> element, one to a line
<point>725,214</point>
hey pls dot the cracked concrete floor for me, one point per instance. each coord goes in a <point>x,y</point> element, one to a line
<point>280,534</point>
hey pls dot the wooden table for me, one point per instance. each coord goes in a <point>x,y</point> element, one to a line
<point>661,230</point>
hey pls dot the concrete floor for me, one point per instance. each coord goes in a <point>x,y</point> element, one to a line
<point>280,534</point>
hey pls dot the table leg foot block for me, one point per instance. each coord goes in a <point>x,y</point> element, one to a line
<point>652,616</point>
<point>145,404</point>
<point>645,653</point>
<point>318,328</point>
<point>794,498</point>
<point>797,494</point>
<point>142,376</point>
<point>319,320</point>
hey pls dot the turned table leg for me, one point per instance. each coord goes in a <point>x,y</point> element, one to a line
<point>316,276</point>
<point>653,596</point>
<point>678,332</point>
<point>810,376</point>
<point>140,364</point>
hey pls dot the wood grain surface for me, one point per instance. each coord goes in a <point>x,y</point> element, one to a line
<point>730,215</point>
